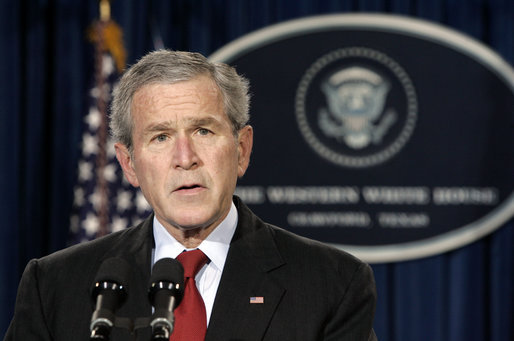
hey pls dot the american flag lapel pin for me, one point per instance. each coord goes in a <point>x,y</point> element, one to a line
<point>257,299</point>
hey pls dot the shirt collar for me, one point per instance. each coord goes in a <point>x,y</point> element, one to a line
<point>215,246</point>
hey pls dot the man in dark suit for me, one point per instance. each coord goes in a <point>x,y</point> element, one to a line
<point>181,123</point>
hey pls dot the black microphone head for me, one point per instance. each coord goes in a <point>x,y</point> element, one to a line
<point>113,269</point>
<point>113,275</point>
<point>167,275</point>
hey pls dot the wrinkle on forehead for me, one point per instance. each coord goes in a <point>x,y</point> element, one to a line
<point>186,92</point>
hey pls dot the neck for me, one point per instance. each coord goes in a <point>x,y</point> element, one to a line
<point>190,238</point>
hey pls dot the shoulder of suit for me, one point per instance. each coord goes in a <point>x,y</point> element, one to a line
<point>292,246</point>
<point>97,248</point>
<point>308,248</point>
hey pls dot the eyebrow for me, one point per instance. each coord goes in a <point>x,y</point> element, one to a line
<point>193,121</point>
<point>203,121</point>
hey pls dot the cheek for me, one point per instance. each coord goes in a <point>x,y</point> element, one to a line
<point>227,162</point>
<point>217,157</point>
<point>150,169</point>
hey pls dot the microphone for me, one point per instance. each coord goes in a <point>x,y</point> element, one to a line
<point>165,293</point>
<point>108,294</point>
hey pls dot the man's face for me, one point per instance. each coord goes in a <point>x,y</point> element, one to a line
<point>185,158</point>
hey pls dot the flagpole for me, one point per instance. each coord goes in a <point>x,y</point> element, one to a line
<point>101,103</point>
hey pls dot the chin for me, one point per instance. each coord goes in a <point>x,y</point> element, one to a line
<point>190,223</point>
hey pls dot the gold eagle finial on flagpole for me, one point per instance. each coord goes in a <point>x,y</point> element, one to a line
<point>105,10</point>
<point>108,36</point>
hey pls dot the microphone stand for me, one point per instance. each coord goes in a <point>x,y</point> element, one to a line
<point>133,326</point>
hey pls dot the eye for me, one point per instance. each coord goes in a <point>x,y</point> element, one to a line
<point>161,138</point>
<point>203,131</point>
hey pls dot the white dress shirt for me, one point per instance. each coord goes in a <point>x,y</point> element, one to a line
<point>215,247</point>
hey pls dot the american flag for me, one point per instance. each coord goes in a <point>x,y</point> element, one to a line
<point>104,201</point>
<point>257,299</point>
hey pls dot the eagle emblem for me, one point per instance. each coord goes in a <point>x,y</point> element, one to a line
<point>355,113</point>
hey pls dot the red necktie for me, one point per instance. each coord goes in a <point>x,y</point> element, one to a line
<point>190,315</point>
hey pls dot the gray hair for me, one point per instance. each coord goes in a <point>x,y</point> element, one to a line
<point>168,67</point>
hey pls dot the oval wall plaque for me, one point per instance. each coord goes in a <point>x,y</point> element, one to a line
<point>389,137</point>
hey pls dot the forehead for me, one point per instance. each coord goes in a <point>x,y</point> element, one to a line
<point>200,90</point>
<point>183,104</point>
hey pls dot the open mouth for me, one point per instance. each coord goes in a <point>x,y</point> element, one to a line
<point>188,187</point>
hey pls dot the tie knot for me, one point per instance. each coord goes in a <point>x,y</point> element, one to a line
<point>192,261</point>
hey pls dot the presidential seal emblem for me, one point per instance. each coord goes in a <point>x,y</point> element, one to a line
<point>355,98</point>
<point>356,107</point>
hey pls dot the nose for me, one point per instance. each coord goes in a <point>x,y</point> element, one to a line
<point>184,153</point>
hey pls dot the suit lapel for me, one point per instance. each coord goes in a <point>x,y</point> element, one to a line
<point>248,271</point>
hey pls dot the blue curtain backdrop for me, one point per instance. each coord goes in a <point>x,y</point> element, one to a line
<point>46,69</point>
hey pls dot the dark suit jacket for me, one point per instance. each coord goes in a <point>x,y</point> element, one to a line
<point>311,291</point>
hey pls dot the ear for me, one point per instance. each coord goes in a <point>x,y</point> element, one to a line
<point>244,149</point>
<point>126,163</point>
